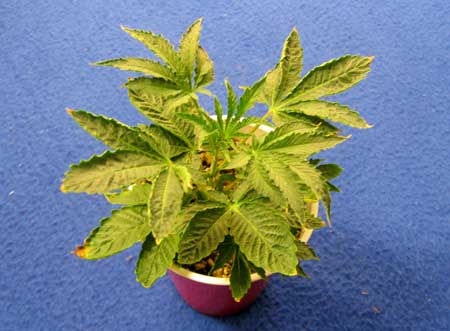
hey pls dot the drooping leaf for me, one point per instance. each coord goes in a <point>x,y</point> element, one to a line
<point>332,111</point>
<point>110,131</point>
<point>145,66</point>
<point>134,195</point>
<point>329,170</point>
<point>189,48</point>
<point>165,203</point>
<point>332,77</point>
<point>226,250</point>
<point>240,281</point>
<point>301,272</point>
<point>160,46</point>
<point>305,252</point>
<point>109,171</point>
<point>260,271</point>
<point>154,259</point>
<point>120,231</point>
<point>264,237</point>
<point>204,69</point>
<point>203,234</point>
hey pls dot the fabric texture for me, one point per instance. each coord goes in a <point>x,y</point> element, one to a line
<point>384,263</point>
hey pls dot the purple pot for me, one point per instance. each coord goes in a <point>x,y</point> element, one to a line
<point>212,295</point>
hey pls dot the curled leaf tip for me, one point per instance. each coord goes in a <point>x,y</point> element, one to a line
<point>80,251</point>
<point>70,111</point>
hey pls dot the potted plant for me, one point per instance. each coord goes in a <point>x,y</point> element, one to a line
<point>221,201</point>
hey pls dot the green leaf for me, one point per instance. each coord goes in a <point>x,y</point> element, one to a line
<point>301,272</point>
<point>154,259</point>
<point>109,171</point>
<point>120,231</point>
<point>269,94</point>
<point>260,180</point>
<point>184,176</point>
<point>158,45</point>
<point>332,111</point>
<point>135,195</point>
<point>264,237</point>
<point>312,222</point>
<point>141,65</point>
<point>304,252</point>
<point>329,170</point>
<point>189,48</point>
<point>303,144</point>
<point>188,213</point>
<point>333,188</point>
<point>204,69</point>
<point>308,221</point>
<point>219,112</point>
<point>284,131</point>
<point>152,86</point>
<point>226,250</point>
<point>248,98</point>
<point>165,203</point>
<point>238,160</point>
<point>240,281</point>
<point>283,117</point>
<point>332,77</point>
<point>307,173</point>
<point>232,102</point>
<point>286,180</point>
<point>260,271</point>
<point>291,64</point>
<point>162,141</point>
<point>203,234</point>
<point>156,109</point>
<point>110,131</point>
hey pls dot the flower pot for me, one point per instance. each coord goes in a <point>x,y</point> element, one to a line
<point>212,295</point>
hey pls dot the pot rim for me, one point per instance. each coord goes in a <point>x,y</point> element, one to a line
<point>200,278</point>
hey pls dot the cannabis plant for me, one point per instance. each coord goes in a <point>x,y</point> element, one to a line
<point>191,185</point>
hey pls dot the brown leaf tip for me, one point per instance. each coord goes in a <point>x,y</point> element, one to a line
<point>80,251</point>
<point>70,111</point>
<point>62,188</point>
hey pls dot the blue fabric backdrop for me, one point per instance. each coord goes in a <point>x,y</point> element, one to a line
<point>385,263</point>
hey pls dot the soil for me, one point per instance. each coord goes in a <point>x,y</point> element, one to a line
<point>205,265</point>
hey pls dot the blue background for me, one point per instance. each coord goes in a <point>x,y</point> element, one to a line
<point>385,263</point>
